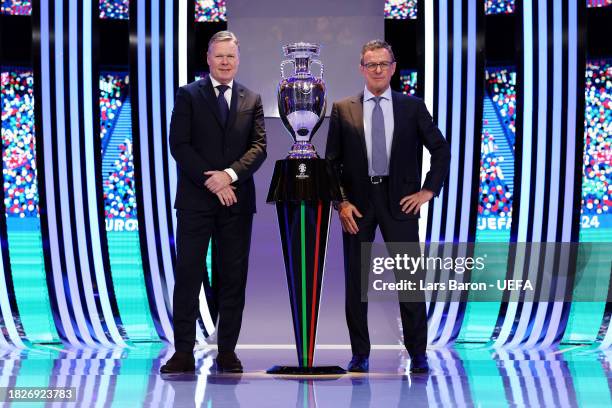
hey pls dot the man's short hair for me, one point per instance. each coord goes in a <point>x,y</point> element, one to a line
<point>223,36</point>
<point>376,45</point>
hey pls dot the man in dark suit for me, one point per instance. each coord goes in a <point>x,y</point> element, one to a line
<point>375,144</point>
<point>218,139</point>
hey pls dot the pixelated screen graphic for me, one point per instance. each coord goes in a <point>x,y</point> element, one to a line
<point>120,209</point>
<point>598,3</point>
<point>596,213</point>
<point>115,9</point>
<point>408,81</point>
<point>21,202</point>
<point>497,154</point>
<point>210,11</point>
<point>401,9</point>
<point>499,6</point>
<point>16,7</point>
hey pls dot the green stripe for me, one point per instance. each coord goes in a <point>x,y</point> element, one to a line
<point>129,285</point>
<point>29,279</point>
<point>303,243</point>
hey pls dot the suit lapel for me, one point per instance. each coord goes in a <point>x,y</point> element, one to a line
<point>356,108</point>
<point>236,105</point>
<point>207,91</point>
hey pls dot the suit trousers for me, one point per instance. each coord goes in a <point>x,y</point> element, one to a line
<point>413,314</point>
<point>232,234</point>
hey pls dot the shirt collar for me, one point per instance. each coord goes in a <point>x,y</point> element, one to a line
<point>367,95</point>
<point>216,83</point>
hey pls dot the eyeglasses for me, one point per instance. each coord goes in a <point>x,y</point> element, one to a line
<point>372,66</point>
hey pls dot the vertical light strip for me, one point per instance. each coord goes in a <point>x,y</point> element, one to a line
<point>557,101</point>
<point>92,202</point>
<point>62,157</point>
<point>159,141</point>
<point>429,54</point>
<point>553,321</point>
<point>540,179</point>
<point>467,160</point>
<point>442,95</point>
<point>169,53</point>
<point>439,319</point>
<point>525,324</point>
<point>183,21</point>
<point>428,93</point>
<point>145,160</point>
<point>524,199</point>
<point>570,137</point>
<point>527,137</point>
<point>456,131</point>
<point>74,155</point>
<point>45,86</point>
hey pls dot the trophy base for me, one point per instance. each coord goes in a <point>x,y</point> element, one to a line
<point>321,370</point>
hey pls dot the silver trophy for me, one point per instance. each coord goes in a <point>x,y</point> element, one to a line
<point>301,98</point>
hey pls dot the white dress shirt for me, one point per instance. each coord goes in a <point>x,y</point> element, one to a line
<point>386,104</point>
<point>228,98</point>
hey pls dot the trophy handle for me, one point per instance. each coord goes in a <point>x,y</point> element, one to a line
<point>282,66</point>
<point>316,61</point>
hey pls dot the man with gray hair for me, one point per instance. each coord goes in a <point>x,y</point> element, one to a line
<point>218,139</point>
<point>375,144</point>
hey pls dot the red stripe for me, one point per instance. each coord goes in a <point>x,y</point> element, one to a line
<point>311,339</point>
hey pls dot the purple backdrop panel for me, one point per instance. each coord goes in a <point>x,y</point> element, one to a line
<point>341,27</point>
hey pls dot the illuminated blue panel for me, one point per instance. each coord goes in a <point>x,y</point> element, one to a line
<point>401,9</point>
<point>16,7</point>
<point>22,204</point>
<point>161,297</point>
<point>596,203</point>
<point>120,208</point>
<point>210,11</point>
<point>408,81</point>
<point>497,155</point>
<point>499,6</point>
<point>115,9</point>
<point>495,191</point>
<point>595,212</point>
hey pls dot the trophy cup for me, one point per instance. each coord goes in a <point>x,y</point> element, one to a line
<point>303,187</point>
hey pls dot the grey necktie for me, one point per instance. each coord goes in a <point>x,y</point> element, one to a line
<point>379,143</point>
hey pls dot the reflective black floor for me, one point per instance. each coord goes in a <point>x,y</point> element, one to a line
<point>464,375</point>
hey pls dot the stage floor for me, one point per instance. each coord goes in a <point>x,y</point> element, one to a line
<point>464,375</point>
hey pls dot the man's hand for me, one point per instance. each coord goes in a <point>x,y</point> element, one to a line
<point>227,196</point>
<point>413,202</point>
<point>217,180</point>
<point>346,211</point>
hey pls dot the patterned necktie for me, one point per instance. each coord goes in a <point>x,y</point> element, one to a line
<point>379,143</point>
<point>223,107</point>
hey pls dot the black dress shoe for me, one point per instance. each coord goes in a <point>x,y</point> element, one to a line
<point>180,362</point>
<point>418,364</point>
<point>228,362</point>
<point>359,364</point>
